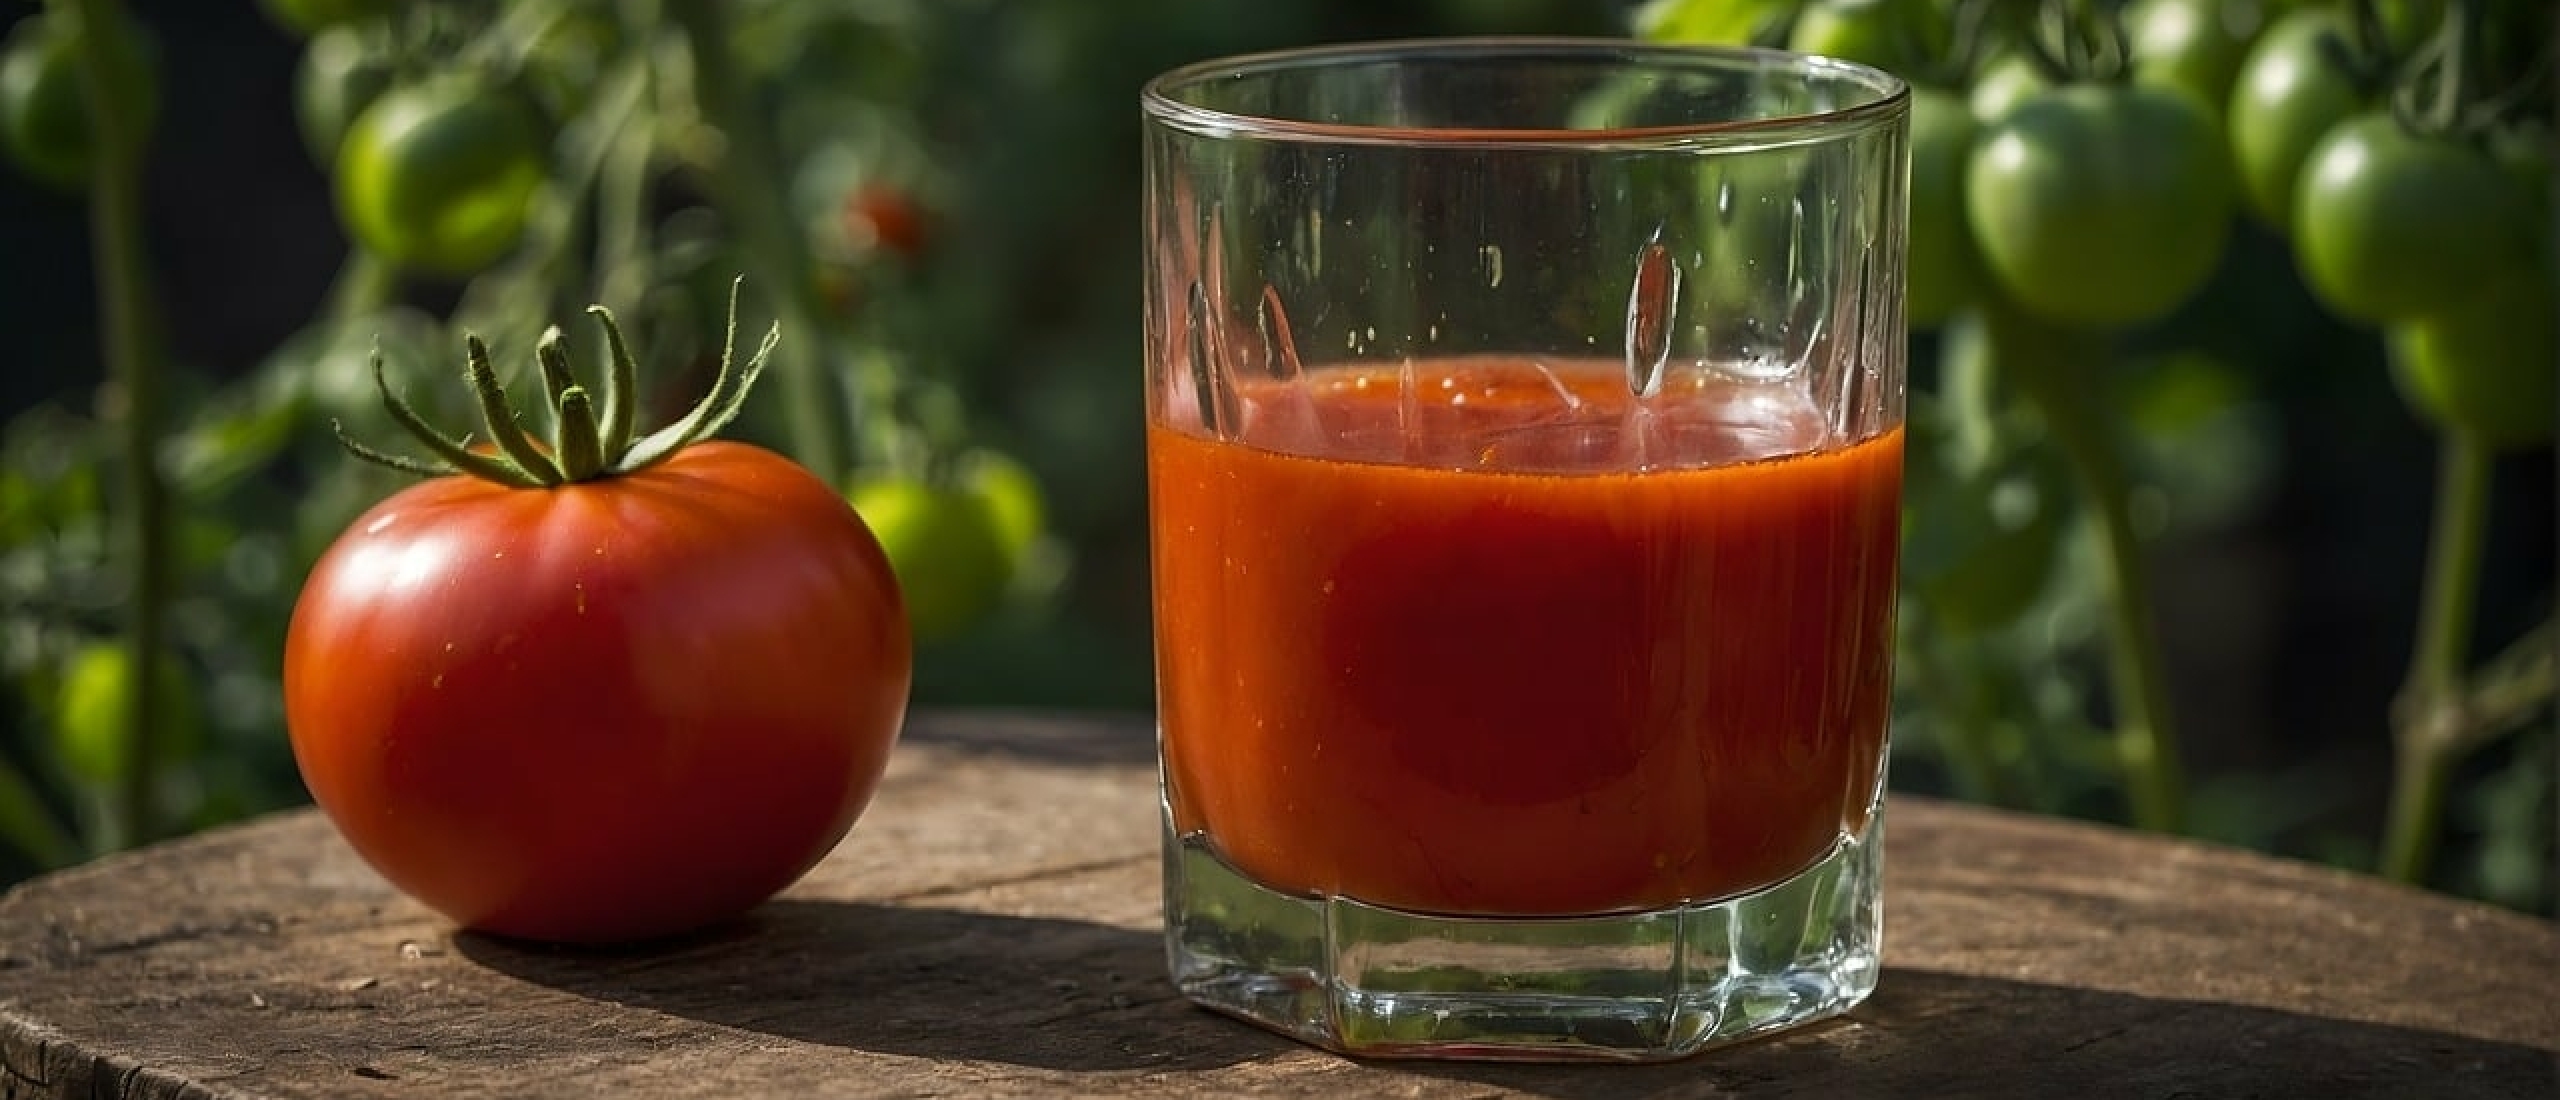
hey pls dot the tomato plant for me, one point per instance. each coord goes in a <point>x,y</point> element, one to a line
<point>2391,224</point>
<point>1898,36</point>
<point>44,112</point>
<point>2487,368</point>
<point>2194,46</point>
<point>2293,89</point>
<point>2100,204</point>
<point>603,690</point>
<point>342,73</point>
<point>948,545</point>
<point>1945,270</point>
<point>437,176</point>
<point>310,17</point>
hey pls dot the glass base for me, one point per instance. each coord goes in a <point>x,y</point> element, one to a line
<point>1639,986</point>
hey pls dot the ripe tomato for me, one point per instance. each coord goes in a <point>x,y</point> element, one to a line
<point>2391,225</point>
<point>1945,269</point>
<point>2100,204</point>
<point>44,108</point>
<point>436,177</point>
<point>2488,368</point>
<point>948,546</point>
<point>606,711</point>
<point>887,218</point>
<point>2194,46</point>
<point>2291,92</point>
<point>341,74</point>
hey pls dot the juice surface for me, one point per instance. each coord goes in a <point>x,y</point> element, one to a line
<point>1575,657</point>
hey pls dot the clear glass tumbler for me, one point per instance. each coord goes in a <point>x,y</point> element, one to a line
<point>1524,465</point>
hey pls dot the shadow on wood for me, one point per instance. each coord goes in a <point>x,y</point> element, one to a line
<point>931,983</point>
<point>1927,1033</point>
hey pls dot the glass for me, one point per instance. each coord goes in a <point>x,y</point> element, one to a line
<point>1524,468</point>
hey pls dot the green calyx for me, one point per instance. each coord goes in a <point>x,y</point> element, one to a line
<point>593,429</point>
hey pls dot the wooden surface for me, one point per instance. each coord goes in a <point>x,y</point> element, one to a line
<point>990,929</point>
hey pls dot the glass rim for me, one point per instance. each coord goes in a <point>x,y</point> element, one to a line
<point>1161,105</point>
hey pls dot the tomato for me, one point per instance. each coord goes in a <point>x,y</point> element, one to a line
<point>2489,367</point>
<point>310,17</point>
<point>947,545</point>
<point>641,693</point>
<point>44,107</point>
<point>1945,270</point>
<point>90,714</point>
<point>2005,82</point>
<point>2100,205</point>
<point>2293,89</point>
<point>2194,46</point>
<point>887,218</point>
<point>341,74</point>
<point>437,177</point>
<point>1899,36</point>
<point>2391,225</point>
<point>1013,498</point>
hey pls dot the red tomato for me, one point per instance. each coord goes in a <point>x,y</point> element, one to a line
<point>888,218</point>
<point>607,711</point>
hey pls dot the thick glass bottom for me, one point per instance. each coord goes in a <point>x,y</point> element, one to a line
<point>1638,986</point>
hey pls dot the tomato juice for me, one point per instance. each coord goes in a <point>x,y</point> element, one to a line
<point>1492,636</point>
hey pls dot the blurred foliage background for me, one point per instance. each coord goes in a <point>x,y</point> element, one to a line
<point>940,199</point>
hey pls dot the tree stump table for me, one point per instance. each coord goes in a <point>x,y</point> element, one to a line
<point>991,929</point>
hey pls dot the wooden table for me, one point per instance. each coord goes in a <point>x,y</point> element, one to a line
<point>990,929</point>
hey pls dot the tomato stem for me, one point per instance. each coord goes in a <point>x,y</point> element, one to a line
<point>133,363</point>
<point>581,451</point>
<point>2048,361</point>
<point>2427,716</point>
<point>500,417</point>
<point>621,387</point>
<point>746,178</point>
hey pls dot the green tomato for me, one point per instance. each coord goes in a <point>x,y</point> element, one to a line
<point>1898,36</point>
<point>310,17</point>
<point>2194,46</point>
<point>2391,225</point>
<point>2292,90</point>
<point>341,74</point>
<point>2005,82</point>
<point>44,105</point>
<point>947,546</point>
<point>1013,500</point>
<point>2489,367</point>
<point>1945,269</point>
<point>437,177</point>
<point>91,709</point>
<point>2100,205</point>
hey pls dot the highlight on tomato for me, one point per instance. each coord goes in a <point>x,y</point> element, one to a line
<point>599,688</point>
<point>2295,86</point>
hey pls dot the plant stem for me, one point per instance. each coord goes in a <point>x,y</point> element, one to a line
<point>365,284</point>
<point>2427,715</point>
<point>2062,374</point>
<point>125,320</point>
<point>746,177</point>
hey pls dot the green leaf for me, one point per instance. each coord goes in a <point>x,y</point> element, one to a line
<point>1714,22</point>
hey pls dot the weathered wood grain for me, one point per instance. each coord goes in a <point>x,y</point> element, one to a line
<point>990,930</point>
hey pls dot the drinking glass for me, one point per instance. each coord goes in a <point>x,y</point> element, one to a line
<point>1524,454</point>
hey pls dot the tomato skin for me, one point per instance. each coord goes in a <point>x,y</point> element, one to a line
<point>2290,93</point>
<point>44,109</point>
<point>1897,36</point>
<point>339,77</point>
<point>437,177</point>
<point>2391,225</point>
<point>2005,82</point>
<point>2488,369</point>
<point>887,218</point>
<point>1945,269</point>
<point>948,545</point>
<point>2195,46</point>
<point>2100,205</point>
<point>605,712</point>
